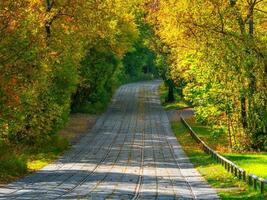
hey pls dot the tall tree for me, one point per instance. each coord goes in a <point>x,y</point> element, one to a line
<point>218,50</point>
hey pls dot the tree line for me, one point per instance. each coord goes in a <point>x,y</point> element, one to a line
<point>59,55</point>
<point>216,53</point>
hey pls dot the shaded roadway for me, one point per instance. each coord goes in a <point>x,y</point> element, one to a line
<point>131,153</point>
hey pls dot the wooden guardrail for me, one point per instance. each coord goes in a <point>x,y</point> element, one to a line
<point>251,179</point>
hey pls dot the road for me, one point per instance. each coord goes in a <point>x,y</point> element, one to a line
<point>131,153</point>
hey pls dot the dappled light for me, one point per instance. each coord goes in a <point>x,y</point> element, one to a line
<point>88,89</point>
<point>131,151</point>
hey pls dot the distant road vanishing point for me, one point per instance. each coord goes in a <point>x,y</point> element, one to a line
<point>131,153</point>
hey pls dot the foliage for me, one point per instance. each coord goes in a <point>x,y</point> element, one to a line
<point>179,102</point>
<point>37,77</point>
<point>18,160</point>
<point>162,51</point>
<point>94,88</point>
<point>139,62</point>
<point>45,47</point>
<point>252,162</point>
<point>218,54</point>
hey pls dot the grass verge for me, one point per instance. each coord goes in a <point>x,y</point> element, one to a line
<point>16,161</point>
<point>252,162</point>
<point>228,186</point>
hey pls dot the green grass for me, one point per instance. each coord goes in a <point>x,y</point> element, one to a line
<point>217,142</point>
<point>252,162</point>
<point>12,165</point>
<point>255,163</point>
<point>17,161</point>
<point>228,186</point>
<point>177,104</point>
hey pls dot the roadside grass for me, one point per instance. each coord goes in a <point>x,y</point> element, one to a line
<point>227,186</point>
<point>17,161</point>
<point>79,124</point>
<point>255,163</point>
<point>11,165</point>
<point>252,162</point>
<point>218,142</point>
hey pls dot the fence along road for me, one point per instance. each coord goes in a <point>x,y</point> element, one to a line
<point>131,153</point>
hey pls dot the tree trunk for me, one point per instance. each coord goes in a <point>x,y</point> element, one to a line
<point>229,132</point>
<point>243,111</point>
<point>49,5</point>
<point>170,97</point>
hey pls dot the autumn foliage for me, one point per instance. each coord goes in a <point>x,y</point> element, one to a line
<point>57,55</point>
<point>217,53</point>
<point>43,50</point>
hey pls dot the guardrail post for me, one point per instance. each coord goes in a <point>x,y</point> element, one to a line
<point>262,186</point>
<point>239,174</point>
<point>255,183</point>
<point>244,175</point>
<point>249,179</point>
<point>235,171</point>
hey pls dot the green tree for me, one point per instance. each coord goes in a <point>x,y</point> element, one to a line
<point>219,55</point>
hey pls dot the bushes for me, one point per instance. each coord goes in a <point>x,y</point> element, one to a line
<point>16,160</point>
<point>47,50</point>
<point>36,100</point>
<point>11,165</point>
<point>36,79</point>
<point>98,78</point>
<point>54,56</point>
<point>139,64</point>
<point>217,54</point>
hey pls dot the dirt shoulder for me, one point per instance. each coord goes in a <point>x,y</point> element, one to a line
<point>78,125</point>
<point>174,114</point>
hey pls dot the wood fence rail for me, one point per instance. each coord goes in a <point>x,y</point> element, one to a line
<point>255,181</point>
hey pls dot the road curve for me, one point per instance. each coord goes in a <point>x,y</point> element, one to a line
<point>131,153</point>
